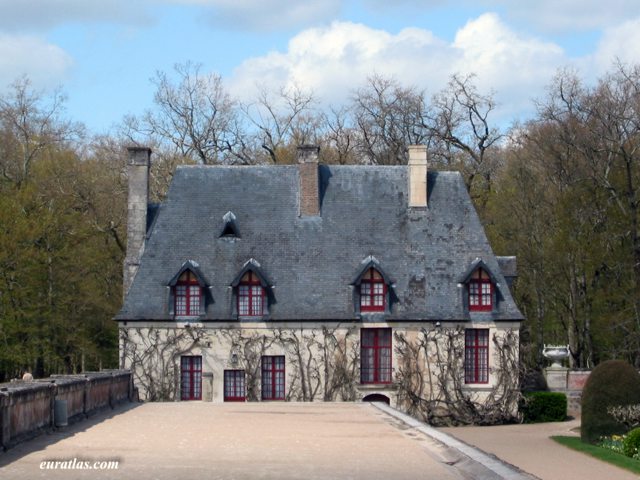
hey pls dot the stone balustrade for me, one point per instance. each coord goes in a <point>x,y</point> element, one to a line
<point>27,407</point>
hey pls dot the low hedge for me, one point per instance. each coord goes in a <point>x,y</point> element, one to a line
<point>631,444</point>
<point>544,407</point>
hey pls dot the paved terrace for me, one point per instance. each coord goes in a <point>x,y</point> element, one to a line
<point>243,441</point>
<point>297,441</point>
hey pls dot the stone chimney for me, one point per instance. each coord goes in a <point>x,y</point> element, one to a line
<point>417,176</point>
<point>309,181</point>
<point>138,173</point>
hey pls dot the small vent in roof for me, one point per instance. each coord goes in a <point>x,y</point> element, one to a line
<point>230,228</point>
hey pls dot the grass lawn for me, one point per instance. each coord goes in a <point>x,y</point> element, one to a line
<point>600,453</point>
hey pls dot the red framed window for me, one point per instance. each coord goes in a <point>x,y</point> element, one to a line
<point>375,355</point>
<point>191,378</point>
<point>476,355</point>
<point>250,296</point>
<point>234,386</point>
<point>480,291</point>
<point>273,378</point>
<point>373,292</point>
<point>187,295</point>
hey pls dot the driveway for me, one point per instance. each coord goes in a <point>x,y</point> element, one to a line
<point>530,448</point>
<point>234,441</point>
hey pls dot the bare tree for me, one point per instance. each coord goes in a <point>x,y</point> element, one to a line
<point>388,117</point>
<point>340,137</point>
<point>30,122</point>
<point>283,120</point>
<point>195,116</point>
<point>460,134</point>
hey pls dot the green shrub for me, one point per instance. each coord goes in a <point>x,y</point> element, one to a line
<point>631,443</point>
<point>544,407</point>
<point>612,383</point>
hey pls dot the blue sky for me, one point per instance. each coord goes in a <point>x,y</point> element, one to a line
<point>104,53</point>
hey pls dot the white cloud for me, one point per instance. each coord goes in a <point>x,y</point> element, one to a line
<point>549,15</point>
<point>516,67</point>
<point>267,14</point>
<point>621,42</point>
<point>45,64</point>
<point>334,60</point>
<point>232,14</point>
<point>571,15</point>
<point>43,14</point>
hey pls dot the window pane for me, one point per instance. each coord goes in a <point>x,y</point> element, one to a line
<point>368,337</point>
<point>194,300</point>
<point>486,294</point>
<point>384,337</point>
<point>267,392</point>
<point>243,305</point>
<point>279,384</point>
<point>474,294</point>
<point>181,306</point>
<point>367,365</point>
<point>256,301</point>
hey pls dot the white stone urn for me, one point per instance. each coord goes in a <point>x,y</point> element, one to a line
<point>556,353</point>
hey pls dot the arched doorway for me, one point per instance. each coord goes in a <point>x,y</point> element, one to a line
<point>376,397</point>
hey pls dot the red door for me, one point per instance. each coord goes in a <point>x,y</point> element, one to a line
<point>234,386</point>
<point>273,378</point>
<point>191,378</point>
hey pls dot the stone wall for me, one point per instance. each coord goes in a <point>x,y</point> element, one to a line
<point>569,382</point>
<point>27,407</point>
<point>322,363</point>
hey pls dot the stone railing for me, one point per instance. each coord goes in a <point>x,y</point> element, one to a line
<point>28,408</point>
<point>569,382</point>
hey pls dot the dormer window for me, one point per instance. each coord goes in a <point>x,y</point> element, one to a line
<point>250,296</point>
<point>253,291</point>
<point>372,291</point>
<point>480,291</point>
<point>187,295</point>
<point>230,226</point>
<point>372,288</point>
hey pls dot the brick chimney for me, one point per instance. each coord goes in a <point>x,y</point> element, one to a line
<point>309,181</point>
<point>417,176</point>
<point>138,165</point>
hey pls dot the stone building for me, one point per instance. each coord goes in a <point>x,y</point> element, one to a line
<point>315,282</point>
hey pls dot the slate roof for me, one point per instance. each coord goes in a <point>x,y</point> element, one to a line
<point>311,262</point>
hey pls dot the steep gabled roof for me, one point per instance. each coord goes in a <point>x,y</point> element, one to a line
<point>312,261</point>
